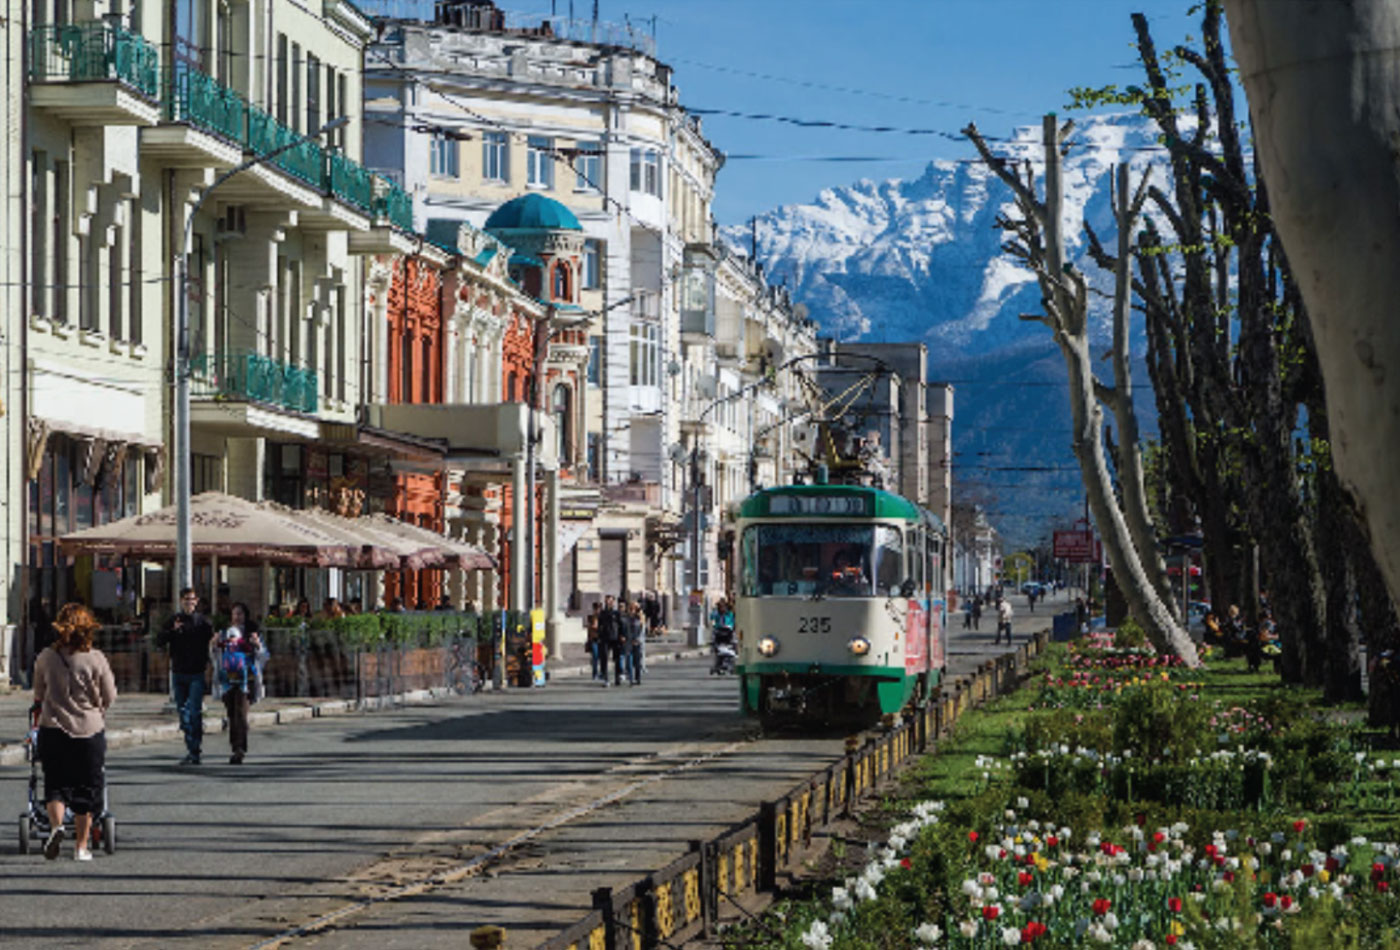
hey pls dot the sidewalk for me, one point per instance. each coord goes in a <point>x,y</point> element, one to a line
<point>140,718</point>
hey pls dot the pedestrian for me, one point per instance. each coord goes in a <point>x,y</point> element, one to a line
<point>591,639</point>
<point>967,615</point>
<point>634,636</point>
<point>1030,599</point>
<point>1003,621</point>
<point>73,688</point>
<point>188,636</point>
<point>240,657</point>
<point>1081,615</point>
<point>610,639</point>
<point>1235,633</point>
<point>977,613</point>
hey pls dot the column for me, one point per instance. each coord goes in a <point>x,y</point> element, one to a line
<point>520,511</point>
<point>551,562</point>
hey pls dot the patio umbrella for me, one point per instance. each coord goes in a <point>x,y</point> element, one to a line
<point>234,530</point>
<point>375,550</point>
<point>439,549</point>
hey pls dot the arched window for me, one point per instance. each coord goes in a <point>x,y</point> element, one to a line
<point>510,386</point>
<point>563,423</point>
<point>561,281</point>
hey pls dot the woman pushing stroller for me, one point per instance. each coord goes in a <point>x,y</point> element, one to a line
<point>73,688</point>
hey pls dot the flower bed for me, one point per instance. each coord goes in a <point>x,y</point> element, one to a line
<point>1236,814</point>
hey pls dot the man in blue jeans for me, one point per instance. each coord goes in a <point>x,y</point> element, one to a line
<point>187,635</point>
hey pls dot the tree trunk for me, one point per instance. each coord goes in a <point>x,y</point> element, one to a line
<point>1323,80</point>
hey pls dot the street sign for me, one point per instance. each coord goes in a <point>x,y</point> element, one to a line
<point>1077,547</point>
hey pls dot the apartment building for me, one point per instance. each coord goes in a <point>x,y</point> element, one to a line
<point>132,114</point>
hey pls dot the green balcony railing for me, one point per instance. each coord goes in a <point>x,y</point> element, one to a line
<point>201,100</point>
<point>350,181</point>
<point>252,376</point>
<point>84,52</point>
<point>393,204</point>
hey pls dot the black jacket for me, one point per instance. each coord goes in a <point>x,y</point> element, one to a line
<point>610,625</point>
<point>187,636</point>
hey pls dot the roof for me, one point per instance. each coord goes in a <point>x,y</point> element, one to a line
<point>532,211</point>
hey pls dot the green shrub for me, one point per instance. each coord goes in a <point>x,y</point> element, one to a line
<point>1129,634</point>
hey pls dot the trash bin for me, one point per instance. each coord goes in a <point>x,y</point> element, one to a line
<point>1064,627</point>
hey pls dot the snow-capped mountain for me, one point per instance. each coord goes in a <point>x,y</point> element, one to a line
<point>921,260</point>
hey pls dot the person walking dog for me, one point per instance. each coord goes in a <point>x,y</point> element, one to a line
<point>188,635</point>
<point>73,688</point>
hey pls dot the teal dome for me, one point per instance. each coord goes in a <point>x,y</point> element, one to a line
<point>532,212</point>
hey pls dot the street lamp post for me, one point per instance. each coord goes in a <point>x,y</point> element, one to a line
<point>184,555</point>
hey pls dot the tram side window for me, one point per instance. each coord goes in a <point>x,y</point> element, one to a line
<point>915,561</point>
<point>889,560</point>
<point>935,564</point>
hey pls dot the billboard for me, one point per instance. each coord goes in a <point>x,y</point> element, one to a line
<point>1076,546</point>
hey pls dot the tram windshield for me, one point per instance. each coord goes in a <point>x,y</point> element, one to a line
<point>831,560</point>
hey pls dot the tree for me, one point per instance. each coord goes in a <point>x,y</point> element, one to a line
<point>1037,240</point>
<point>1321,77</point>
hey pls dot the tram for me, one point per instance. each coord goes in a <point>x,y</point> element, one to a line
<point>840,602</point>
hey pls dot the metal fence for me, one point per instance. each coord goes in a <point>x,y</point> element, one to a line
<point>720,878</point>
<point>461,652</point>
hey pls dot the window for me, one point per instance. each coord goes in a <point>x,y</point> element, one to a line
<point>644,353</point>
<point>442,156</point>
<point>61,235</point>
<point>38,233</point>
<point>595,360</point>
<point>135,280</point>
<point>595,456</point>
<point>561,282</point>
<point>563,425</point>
<point>294,104</point>
<point>539,161</point>
<point>282,78</point>
<point>646,170</point>
<point>342,98</point>
<point>592,264</point>
<point>313,93</point>
<point>330,105</point>
<point>495,157</point>
<point>588,167</point>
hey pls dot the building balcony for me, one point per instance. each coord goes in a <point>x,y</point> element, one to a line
<point>391,221</point>
<point>205,124</point>
<point>252,377</point>
<point>94,73</point>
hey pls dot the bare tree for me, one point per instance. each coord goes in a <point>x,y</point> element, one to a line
<point>1323,80</point>
<point>1037,239</point>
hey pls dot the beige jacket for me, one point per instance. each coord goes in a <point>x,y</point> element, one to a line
<point>75,690</point>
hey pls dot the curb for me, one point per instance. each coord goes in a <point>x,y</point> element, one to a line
<point>12,753</point>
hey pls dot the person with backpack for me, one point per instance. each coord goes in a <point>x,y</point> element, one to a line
<point>240,654</point>
<point>610,639</point>
<point>188,635</point>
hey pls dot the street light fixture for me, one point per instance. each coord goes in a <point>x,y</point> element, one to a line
<point>184,554</point>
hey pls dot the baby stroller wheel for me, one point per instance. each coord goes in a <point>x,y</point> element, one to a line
<point>25,844</point>
<point>109,834</point>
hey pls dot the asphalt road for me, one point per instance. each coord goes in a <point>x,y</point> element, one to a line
<point>328,816</point>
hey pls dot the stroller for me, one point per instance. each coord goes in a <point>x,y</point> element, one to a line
<point>34,820</point>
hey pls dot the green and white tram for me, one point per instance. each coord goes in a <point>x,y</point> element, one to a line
<point>841,603</point>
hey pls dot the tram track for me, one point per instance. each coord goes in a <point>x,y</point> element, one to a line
<point>412,873</point>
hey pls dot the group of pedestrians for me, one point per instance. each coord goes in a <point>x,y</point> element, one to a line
<point>618,632</point>
<point>972,613</point>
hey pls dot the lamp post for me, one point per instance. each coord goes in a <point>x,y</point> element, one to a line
<point>184,555</point>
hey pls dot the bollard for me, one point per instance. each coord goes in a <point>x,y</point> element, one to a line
<point>489,937</point>
<point>767,846</point>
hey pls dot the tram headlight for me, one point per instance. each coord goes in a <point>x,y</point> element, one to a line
<point>768,646</point>
<point>859,646</point>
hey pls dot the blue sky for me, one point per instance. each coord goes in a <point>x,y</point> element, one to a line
<point>921,64</point>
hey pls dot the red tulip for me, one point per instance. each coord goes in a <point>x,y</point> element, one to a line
<point>1270,899</point>
<point>1285,902</point>
<point>1174,904</point>
<point>972,836</point>
<point>990,912</point>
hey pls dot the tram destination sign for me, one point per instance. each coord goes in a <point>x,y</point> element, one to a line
<point>813,504</point>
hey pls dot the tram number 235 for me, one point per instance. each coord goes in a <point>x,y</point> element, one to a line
<point>813,624</point>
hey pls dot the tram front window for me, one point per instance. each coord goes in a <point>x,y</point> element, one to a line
<point>793,560</point>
